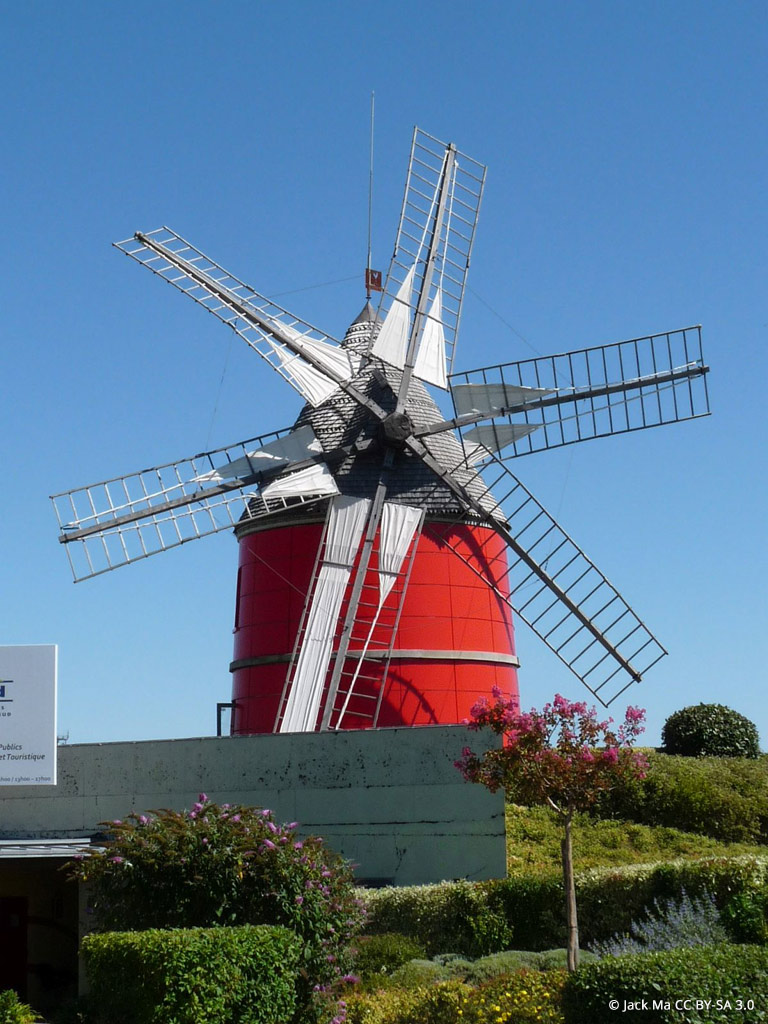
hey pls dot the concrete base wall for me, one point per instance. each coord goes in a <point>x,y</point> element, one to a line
<point>390,800</point>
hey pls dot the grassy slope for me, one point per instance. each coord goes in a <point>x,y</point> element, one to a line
<point>712,799</point>
<point>533,842</point>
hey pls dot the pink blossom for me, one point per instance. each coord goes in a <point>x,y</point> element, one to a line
<point>269,844</point>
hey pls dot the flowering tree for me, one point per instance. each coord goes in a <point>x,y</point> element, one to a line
<point>225,865</point>
<point>561,756</point>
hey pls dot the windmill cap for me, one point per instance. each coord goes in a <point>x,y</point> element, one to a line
<point>367,315</point>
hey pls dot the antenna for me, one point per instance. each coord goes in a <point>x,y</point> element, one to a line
<point>372,277</point>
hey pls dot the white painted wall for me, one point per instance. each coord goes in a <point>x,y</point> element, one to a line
<point>390,800</point>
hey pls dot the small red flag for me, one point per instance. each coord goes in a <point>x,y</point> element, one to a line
<point>373,280</point>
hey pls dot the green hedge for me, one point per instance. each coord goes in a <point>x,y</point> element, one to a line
<point>244,975</point>
<point>475,919</point>
<point>703,985</point>
<point>725,798</point>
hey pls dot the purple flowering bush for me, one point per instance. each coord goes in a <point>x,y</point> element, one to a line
<point>225,865</point>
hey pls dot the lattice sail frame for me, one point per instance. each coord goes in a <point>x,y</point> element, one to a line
<point>231,301</point>
<point>592,392</point>
<point>553,574</point>
<point>125,519</point>
<point>423,181</point>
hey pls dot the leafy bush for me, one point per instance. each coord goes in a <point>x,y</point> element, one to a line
<point>681,986</point>
<point>225,865</point>
<point>12,1011</point>
<point>725,798</point>
<point>710,730</point>
<point>381,1006</point>
<point>245,975</point>
<point>527,997</point>
<point>670,924</point>
<point>745,916</point>
<point>435,1004</point>
<point>379,955</point>
<point>450,915</point>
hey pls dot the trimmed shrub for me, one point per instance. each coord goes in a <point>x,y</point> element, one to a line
<point>380,955</point>
<point>725,798</point>
<point>13,1011</point>
<point>710,730</point>
<point>245,975</point>
<point>704,985</point>
<point>418,973</point>
<point>528,913</point>
<point>450,915</point>
<point>514,960</point>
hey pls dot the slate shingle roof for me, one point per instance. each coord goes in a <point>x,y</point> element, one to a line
<point>340,421</point>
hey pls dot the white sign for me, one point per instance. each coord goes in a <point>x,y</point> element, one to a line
<point>28,715</point>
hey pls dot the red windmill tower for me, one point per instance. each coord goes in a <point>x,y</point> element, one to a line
<point>383,546</point>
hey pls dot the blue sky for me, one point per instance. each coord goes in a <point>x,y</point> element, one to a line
<point>627,148</point>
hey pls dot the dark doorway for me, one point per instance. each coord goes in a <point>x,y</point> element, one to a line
<point>13,944</point>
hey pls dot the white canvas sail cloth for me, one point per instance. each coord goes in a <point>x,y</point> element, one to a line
<point>391,343</point>
<point>312,481</point>
<point>310,381</point>
<point>430,361</point>
<point>399,524</point>
<point>294,447</point>
<point>346,521</point>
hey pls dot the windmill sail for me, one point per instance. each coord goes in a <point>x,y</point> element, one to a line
<point>344,531</point>
<point>311,361</point>
<point>589,393</point>
<point>456,185</point>
<point>124,519</point>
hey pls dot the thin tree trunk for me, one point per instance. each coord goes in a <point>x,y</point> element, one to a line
<point>566,849</point>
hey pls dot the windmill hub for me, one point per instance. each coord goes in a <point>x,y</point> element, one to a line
<point>395,430</point>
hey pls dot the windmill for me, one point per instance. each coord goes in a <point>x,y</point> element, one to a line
<point>383,545</point>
